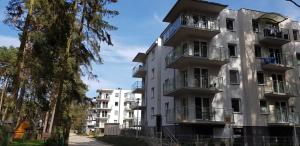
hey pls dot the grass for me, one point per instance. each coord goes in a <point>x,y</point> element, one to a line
<point>123,141</point>
<point>28,143</point>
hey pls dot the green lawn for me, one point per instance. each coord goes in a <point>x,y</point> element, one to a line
<point>122,141</point>
<point>28,143</point>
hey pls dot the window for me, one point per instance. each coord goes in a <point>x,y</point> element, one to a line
<point>235,103</point>
<point>131,114</point>
<point>232,50</point>
<point>167,107</point>
<point>116,103</point>
<point>260,78</point>
<point>117,94</point>
<point>255,26</point>
<point>295,34</point>
<point>153,53</point>
<point>234,77</point>
<point>229,24</point>
<point>105,104</point>
<point>126,94</point>
<point>115,121</point>
<point>152,71</point>
<point>257,51</point>
<point>104,113</point>
<point>263,107</point>
<point>152,112</point>
<point>152,92</point>
<point>298,58</point>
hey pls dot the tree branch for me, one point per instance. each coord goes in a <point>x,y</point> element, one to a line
<point>295,3</point>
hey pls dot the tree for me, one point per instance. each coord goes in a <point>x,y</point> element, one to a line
<point>295,3</point>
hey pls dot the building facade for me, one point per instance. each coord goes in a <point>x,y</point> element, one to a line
<point>113,106</point>
<point>222,73</point>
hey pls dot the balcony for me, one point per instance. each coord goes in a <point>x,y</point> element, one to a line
<point>180,58</point>
<point>128,118</point>
<point>137,106</point>
<point>201,115</point>
<point>187,26</point>
<point>138,71</point>
<point>129,99</point>
<point>127,108</point>
<point>283,118</point>
<point>274,36</point>
<point>201,85</point>
<point>280,89</point>
<point>104,107</point>
<point>279,64</point>
<point>138,87</point>
<point>140,57</point>
<point>104,98</point>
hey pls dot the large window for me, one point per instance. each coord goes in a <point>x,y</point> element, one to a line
<point>152,73</point>
<point>230,24</point>
<point>255,26</point>
<point>116,104</point>
<point>298,58</point>
<point>235,103</point>
<point>260,78</point>
<point>234,77</point>
<point>295,34</point>
<point>232,50</point>
<point>257,51</point>
<point>152,92</point>
<point>263,107</point>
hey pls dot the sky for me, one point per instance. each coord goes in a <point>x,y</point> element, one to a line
<point>139,24</point>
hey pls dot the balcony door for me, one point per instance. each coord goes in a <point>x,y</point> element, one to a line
<point>185,111</point>
<point>202,108</point>
<point>276,56</point>
<point>278,83</point>
<point>281,111</point>
<point>201,78</point>
<point>200,49</point>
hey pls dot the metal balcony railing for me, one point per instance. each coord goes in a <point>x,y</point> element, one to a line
<point>199,114</point>
<point>281,60</point>
<point>284,117</point>
<point>137,68</point>
<point>103,97</point>
<point>190,21</point>
<point>138,85</point>
<point>201,82</point>
<point>214,54</point>
<point>280,88</point>
<point>276,33</point>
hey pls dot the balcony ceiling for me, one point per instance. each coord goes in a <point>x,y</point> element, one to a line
<point>195,6</point>
<point>140,57</point>
<point>273,17</point>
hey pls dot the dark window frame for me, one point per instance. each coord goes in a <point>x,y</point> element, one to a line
<point>236,108</point>
<point>229,26</point>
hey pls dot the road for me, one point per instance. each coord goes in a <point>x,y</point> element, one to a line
<point>76,140</point>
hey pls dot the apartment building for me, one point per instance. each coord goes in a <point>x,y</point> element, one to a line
<point>222,73</point>
<point>113,106</point>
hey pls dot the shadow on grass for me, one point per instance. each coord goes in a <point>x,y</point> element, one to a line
<point>122,141</point>
<point>28,143</point>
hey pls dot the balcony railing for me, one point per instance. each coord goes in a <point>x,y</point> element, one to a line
<point>138,87</point>
<point>281,63</point>
<point>275,36</point>
<point>138,71</point>
<point>201,84</point>
<point>205,115</point>
<point>283,117</point>
<point>103,98</point>
<point>276,88</point>
<point>192,22</point>
<point>217,56</point>
<point>130,99</point>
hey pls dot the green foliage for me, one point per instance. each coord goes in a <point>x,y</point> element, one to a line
<point>28,143</point>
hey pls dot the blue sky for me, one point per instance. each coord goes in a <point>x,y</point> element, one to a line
<point>139,24</point>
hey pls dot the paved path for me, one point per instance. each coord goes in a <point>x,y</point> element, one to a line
<point>76,140</point>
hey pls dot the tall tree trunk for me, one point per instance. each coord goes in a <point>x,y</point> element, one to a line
<point>56,99</point>
<point>2,95</point>
<point>45,125</point>
<point>19,76</point>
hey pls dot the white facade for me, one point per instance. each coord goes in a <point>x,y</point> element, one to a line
<point>214,72</point>
<point>113,106</point>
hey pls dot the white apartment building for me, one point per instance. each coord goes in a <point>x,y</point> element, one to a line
<point>222,73</point>
<point>113,106</point>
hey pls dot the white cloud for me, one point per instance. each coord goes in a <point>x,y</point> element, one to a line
<point>9,41</point>
<point>121,53</point>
